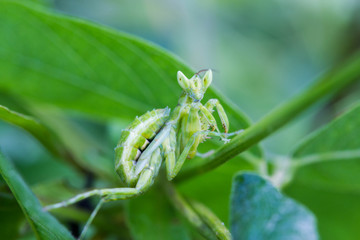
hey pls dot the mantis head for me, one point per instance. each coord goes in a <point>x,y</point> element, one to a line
<point>196,86</point>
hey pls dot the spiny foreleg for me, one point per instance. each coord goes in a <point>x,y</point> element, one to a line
<point>209,120</point>
<point>173,171</point>
<point>169,152</point>
<point>221,112</point>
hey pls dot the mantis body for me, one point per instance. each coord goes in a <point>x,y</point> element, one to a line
<point>161,135</point>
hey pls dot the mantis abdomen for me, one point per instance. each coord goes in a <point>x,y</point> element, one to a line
<point>134,140</point>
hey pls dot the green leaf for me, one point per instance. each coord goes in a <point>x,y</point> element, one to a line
<point>87,67</point>
<point>151,216</point>
<point>329,158</point>
<point>44,225</point>
<point>83,149</point>
<point>60,147</point>
<point>34,127</point>
<point>326,179</point>
<point>338,214</point>
<point>260,211</point>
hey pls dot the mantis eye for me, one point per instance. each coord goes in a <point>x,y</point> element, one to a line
<point>207,79</point>
<point>183,80</point>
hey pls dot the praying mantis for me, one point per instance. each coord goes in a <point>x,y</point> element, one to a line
<point>161,135</point>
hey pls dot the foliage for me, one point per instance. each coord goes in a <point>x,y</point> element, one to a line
<point>281,218</point>
<point>67,88</point>
<point>328,163</point>
<point>44,225</point>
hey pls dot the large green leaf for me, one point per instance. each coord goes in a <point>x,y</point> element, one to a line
<point>260,211</point>
<point>151,216</point>
<point>87,67</point>
<point>44,225</point>
<point>327,176</point>
<point>330,157</point>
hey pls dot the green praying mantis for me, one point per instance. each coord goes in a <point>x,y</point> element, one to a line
<point>161,135</point>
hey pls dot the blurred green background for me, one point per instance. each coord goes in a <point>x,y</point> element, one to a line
<point>262,52</point>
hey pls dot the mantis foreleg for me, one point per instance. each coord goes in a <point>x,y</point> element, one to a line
<point>169,150</point>
<point>219,108</point>
<point>171,173</point>
<point>209,118</point>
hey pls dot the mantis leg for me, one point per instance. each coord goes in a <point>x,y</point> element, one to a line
<point>146,179</point>
<point>91,218</point>
<point>169,151</point>
<point>171,173</point>
<point>209,118</point>
<point>219,108</point>
<point>124,192</point>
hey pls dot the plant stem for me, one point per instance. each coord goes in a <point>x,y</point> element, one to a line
<point>187,211</point>
<point>331,82</point>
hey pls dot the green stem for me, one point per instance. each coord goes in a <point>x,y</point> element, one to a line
<point>211,220</point>
<point>187,211</point>
<point>331,82</point>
